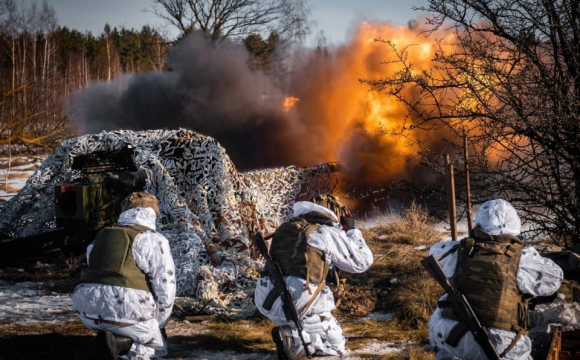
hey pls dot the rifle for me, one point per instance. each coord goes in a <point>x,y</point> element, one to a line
<point>461,307</point>
<point>281,287</point>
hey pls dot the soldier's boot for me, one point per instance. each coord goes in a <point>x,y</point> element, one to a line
<point>282,336</point>
<point>110,346</point>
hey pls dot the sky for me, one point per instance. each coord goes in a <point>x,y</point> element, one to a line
<point>335,18</point>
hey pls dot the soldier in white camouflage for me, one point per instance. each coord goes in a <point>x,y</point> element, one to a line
<point>130,288</point>
<point>497,274</point>
<point>319,239</point>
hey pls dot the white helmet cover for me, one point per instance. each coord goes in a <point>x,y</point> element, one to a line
<point>498,217</point>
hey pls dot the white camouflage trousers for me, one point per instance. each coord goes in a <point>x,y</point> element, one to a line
<point>323,333</point>
<point>148,341</point>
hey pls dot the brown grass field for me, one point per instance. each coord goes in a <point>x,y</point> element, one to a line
<point>411,298</point>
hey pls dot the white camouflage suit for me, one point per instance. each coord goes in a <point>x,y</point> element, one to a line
<point>147,313</point>
<point>346,251</point>
<point>536,276</point>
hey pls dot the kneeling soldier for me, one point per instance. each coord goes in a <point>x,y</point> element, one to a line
<point>307,247</point>
<point>495,272</point>
<point>130,287</point>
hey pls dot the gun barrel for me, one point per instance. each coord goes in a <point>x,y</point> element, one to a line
<point>33,245</point>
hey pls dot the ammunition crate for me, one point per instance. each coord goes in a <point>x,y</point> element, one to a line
<point>564,345</point>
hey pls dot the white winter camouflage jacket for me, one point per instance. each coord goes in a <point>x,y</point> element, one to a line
<point>346,251</point>
<point>124,305</point>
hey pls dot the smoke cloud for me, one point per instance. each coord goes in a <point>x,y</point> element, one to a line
<point>212,90</point>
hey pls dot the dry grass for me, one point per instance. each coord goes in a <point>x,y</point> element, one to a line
<point>359,332</point>
<point>413,226</point>
<point>412,297</point>
<point>218,335</point>
<point>68,328</point>
<point>416,299</point>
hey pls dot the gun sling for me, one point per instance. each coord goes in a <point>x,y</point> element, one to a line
<point>457,333</point>
<point>273,295</point>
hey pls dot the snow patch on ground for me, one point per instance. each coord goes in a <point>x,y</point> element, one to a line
<point>22,173</point>
<point>25,304</point>
<point>379,317</point>
<point>383,348</point>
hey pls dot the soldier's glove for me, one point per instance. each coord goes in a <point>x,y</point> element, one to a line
<point>347,223</point>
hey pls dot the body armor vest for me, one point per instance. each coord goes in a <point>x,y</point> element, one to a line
<point>111,261</point>
<point>290,249</point>
<point>487,267</point>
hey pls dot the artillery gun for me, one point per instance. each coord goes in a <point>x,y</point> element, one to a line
<point>85,205</point>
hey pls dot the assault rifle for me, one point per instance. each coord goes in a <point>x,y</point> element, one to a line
<point>281,287</point>
<point>461,307</point>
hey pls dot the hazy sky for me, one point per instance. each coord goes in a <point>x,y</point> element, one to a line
<point>334,17</point>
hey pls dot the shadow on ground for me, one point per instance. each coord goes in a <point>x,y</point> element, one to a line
<point>48,346</point>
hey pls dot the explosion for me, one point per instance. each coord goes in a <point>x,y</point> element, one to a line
<point>289,102</point>
<point>357,123</point>
<point>334,116</point>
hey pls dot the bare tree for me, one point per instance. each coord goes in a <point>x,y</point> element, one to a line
<point>234,18</point>
<point>514,82</point>
<point>48,23</point>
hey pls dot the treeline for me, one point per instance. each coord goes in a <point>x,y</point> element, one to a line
<point>43,63</point>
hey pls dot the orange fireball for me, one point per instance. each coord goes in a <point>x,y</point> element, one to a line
<point>345,120</point>
<point>289,103</point>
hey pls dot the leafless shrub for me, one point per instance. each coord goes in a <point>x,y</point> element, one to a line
<point>507,71</point>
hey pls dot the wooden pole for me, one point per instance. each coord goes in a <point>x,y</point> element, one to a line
<point>453,209</point>
<point>450,187</point>
<point>467,184</point>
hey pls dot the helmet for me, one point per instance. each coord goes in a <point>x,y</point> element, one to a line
<point>140,199</point>
<point>498,217</point>
<point>332,203</point>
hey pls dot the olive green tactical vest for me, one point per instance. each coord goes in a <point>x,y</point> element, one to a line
<point>291,251</point>
<point>111,261</point>
<point>486,273</point>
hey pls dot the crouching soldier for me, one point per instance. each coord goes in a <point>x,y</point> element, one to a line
<point>130,287</point>
<point>496,274</point>
<point>307,247</point>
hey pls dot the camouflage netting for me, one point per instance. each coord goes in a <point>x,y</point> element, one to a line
<point>208,209</point>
